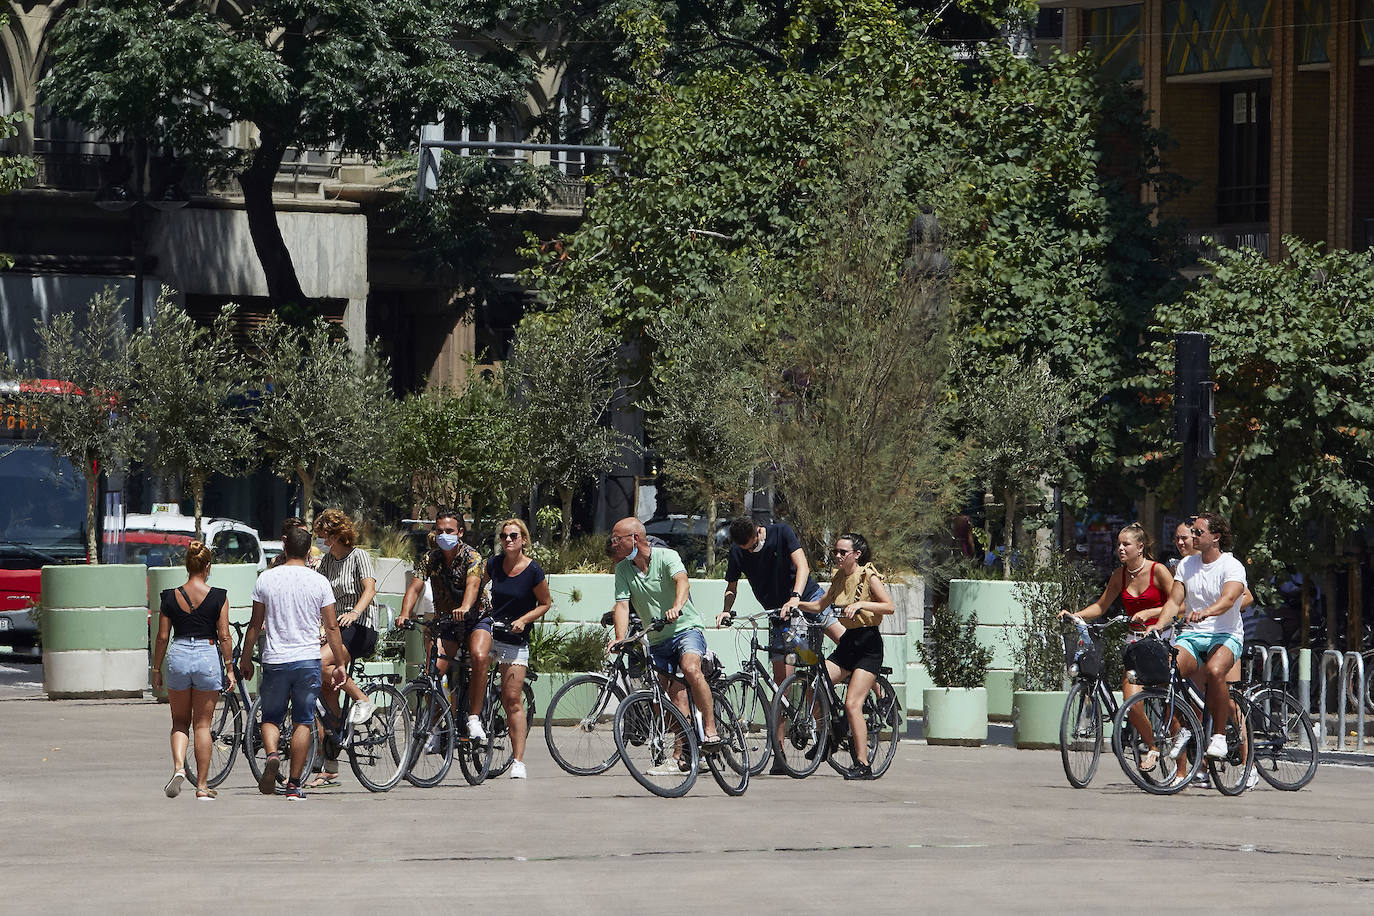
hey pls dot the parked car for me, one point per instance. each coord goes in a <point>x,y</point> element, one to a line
<point>160,539</point>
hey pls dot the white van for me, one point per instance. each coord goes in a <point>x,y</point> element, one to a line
<point>160,539</point>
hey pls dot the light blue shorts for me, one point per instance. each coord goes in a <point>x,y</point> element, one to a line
<point>194,664</point>
<point>1200,645</point>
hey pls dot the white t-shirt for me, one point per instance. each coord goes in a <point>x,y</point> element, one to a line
<point>1202,584</point>
<point>294,597</point>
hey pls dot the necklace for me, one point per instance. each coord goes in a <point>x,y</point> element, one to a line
<point>1135,572</point>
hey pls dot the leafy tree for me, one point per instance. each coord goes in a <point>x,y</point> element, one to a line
<point>307,74</point>
<point>188,386</point>
<point>564,370</point>
<point>322,411</point>
<point>14,170</point>
<point>87,414</point>
<point>1292,354</point>
<point>462,447</point>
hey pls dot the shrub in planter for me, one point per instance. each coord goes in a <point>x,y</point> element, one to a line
<point>951,652</point>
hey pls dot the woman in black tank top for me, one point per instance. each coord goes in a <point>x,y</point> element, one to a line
<point>193,639</point>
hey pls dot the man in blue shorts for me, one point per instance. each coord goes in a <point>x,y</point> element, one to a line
<point>656,580</point>
<point>292,602</point>
<point>1209,587</point>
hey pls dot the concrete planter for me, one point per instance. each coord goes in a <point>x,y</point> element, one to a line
<point>1035,716</point>
<point>1000,685</point>
<point>95,631</point>
<point>956,715</point>
<point>548,684</point>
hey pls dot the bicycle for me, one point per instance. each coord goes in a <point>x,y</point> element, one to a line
<point>1284,741</point>
<point>811,723</point>
<point>579,723</point>
<point>661,747</point>
<point>434,738</point>
<point>376,748</point>
<point>1089,703</point>
<point>493,715</point>
<point>1170,710</point>
<point>751,691</point>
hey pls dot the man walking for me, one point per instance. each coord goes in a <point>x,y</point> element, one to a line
<point>291,602</point>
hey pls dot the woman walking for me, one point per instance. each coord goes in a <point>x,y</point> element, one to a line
<point>193,639</point>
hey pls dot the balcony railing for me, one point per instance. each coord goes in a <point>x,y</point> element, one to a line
<point>1231,235</point>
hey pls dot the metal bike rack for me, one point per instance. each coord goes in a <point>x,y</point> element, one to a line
<point>1266,660</point>
<point>1333,660</point>
<point>1354,665</point>
<point>1345,666</point>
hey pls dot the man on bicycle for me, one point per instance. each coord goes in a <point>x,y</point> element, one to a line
<point>655,579</point>
<point>1209,587</point>
<point>454,571</point>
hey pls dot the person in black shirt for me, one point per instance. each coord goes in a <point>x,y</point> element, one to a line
<point>199,664</point>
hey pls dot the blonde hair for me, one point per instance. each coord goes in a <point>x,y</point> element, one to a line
<point>1141,537</point>
<point>198,558</point>
<point>524,531</point>
<point>335,523</point>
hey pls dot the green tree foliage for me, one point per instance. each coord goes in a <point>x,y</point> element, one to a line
<point>951,651</point>
<point>188,386</point>
<point>564,370</point>
<point>308,74</point>
<point>14,170</point>
<point>462,447</point>
<point>323,411</point>
<point>89,416</point>
<point>1293,360</point>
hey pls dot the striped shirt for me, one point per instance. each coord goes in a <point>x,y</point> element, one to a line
<point>346,578</point>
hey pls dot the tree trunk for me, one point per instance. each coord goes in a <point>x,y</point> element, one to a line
<point>198,498</point>
<point>565,496</point>
<point>307,497</point>
<point>710,534</point>
<point>92,505</point>
<point>1008,532</point>
<point>283,286</point>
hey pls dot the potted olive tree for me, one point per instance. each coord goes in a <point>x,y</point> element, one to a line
<point>1037,651</point>
<point>956,708</point>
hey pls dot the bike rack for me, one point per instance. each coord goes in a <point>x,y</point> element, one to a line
<point>1349,669</point>
<point>1331,659</point>
<point>1265,660</point>
<point>1356,661</point>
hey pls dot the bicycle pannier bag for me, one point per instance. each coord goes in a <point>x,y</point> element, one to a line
<point>1149,659</point>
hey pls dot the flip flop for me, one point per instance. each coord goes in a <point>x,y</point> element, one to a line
<point>324,781</point>
<point>173,787</point>
<point>1149,761</point>
<point>206,795</point>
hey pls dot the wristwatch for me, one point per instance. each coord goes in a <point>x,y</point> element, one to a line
<point>795,595</point>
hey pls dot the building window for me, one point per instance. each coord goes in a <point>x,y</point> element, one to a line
<point>1243,160</point>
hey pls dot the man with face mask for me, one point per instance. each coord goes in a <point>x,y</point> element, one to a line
<point>772,559</point>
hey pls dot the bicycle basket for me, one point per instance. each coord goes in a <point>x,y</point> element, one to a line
<point>1091,660</point>
<point>1149,659</point>
<point>800,641</point>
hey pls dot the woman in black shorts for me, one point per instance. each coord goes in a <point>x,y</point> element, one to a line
<point>857,591</point>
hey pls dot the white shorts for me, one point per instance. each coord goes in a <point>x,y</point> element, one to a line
<point>505,653</point>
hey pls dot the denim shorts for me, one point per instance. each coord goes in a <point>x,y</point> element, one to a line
<point>668,654</point>
<point>1200,645</point>
<point>507,653</point>
<point>194,664</point>
<point>298,682</point>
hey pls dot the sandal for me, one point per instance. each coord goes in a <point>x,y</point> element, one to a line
<point>1150,760</point>
<point>206,794</point>
<point>324,781</point>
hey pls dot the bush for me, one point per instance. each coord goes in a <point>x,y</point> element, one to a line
<point>1037,646</point>
<point>951,652</point>
<point>554,648</point>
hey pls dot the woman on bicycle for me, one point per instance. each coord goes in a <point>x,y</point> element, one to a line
<point>349,571</point>
<point>857,591</point>
<point>199,664</point>
<point>519,597</point>
<point>1143,585</point>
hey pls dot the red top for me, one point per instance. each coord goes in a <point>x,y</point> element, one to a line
<point>1152,597</point>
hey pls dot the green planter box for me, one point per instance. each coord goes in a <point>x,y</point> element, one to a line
<point>94,626</point>
<point>956,715</point>
<point>1035,718</point>
<point>1000,684</point>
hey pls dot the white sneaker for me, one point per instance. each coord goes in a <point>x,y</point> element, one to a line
<point>1216,748</point>
<point>432,745</point>
<point>517,770</point>
<point>475,731</point>
<point>666,768</point>
<point>1180,742</point>
<point>362,712</point>
<point>1252,780</point>
<point>1202,780</point>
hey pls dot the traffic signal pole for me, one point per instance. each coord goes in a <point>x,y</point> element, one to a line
<point>1194,414</point>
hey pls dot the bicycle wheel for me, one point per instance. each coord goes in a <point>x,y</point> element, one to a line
<point>802,717</point>
<point>578,725</point>
<point>879,711</point>
<point>1231,773</point>
<point>1080,734</point>
<point>430,752</point>
<point>730,764</point>
<point>752,709</point>
<point>1131,747</point>
<point>257,754</point>
<point>377,747</point>
<point>657,744</point>
<point>474,759</point>
<point>497,727</point>
<point>1283,740</point>
<point>226,736</point>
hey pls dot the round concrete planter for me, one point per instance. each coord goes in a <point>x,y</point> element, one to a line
<point>956,715</point>
<point>95,631</point>
<point>1035,716</point>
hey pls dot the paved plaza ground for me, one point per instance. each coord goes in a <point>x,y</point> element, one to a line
<point>86,828</point>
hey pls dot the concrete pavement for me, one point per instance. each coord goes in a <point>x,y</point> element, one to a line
<point>964,829</point>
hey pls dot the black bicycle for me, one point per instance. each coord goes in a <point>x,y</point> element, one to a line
<point>751,693</point>
<point>493,716</point>
<point>811,724</point>
<point>1284,741</point>
<point>1089,703</point>
<point>434,738</point>
<point>376,747</point>
<point>1177,732</point>
<point>578,725</point>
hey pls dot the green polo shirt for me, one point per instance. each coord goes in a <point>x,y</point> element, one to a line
<point>651,594</point>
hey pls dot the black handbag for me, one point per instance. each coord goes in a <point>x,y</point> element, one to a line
<point>1149,659</point>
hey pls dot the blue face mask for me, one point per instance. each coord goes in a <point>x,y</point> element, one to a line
<point>447,541</point>
<point>633,553</point>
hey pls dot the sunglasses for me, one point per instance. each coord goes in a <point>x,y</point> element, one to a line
<point>842,553</point>
<point>1197,532</point>
<point>510,536</point>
